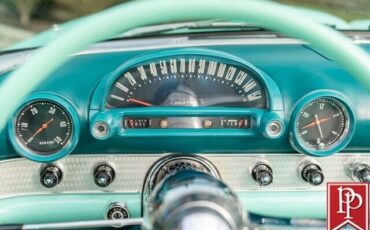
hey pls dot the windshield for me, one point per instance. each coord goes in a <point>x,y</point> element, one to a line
<point>24,19</point>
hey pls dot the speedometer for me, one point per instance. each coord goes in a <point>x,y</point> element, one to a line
<point>187,81</point>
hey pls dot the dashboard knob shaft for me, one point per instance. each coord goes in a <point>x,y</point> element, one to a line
<point>103,175</point>
<point>312,174</point>
<point>50,176</point>
<point>262,174</point>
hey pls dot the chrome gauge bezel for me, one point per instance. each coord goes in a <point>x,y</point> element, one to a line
<point>55,155</point>
<point>341,142</point>
<point>114,117</point>
<point>336,103</point>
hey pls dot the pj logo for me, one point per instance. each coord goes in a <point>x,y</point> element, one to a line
<point>348,206</point>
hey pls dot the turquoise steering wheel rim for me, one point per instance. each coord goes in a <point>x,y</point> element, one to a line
<point>140,13</point>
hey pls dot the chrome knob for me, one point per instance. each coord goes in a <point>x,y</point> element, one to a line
<point>361,172</point>
<point>103,175</point>
<point>50,175</point>
<point>117,211</point>
<point>312,174</point>
<point>262,174</point>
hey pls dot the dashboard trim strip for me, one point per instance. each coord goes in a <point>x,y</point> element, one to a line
<point>131,170</point>
<point>17,59</point>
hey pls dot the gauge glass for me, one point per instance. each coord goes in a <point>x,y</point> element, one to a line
<point>322,124</point>
<point>187,81</point>
<point>43,127</point>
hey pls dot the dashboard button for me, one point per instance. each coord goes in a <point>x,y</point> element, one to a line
<point>117,211</point>
<point>50,176</point>
<point>274,129</point>
<point>103,175</point>
<point>361,172</point>
<point>312,173</point>
<point>100,129</point>
<point>262,174</point>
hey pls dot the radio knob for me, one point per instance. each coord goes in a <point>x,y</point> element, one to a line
<point>312,174</point>
<point>103,175</point>
<point>262,174</point>
<point>50,176</point>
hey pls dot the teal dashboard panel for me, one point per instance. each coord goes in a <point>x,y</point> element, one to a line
<point>288,73</point>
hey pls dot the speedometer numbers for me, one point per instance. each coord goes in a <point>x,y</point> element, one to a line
<point>43,127</point>
<point>321,126</point>
<point>187,81</point>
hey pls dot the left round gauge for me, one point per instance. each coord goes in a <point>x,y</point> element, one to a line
<point>43,127</point>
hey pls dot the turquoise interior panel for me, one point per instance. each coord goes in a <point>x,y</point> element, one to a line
<point>296,69</point>
<point>77,207</point>
<point>64,207</point>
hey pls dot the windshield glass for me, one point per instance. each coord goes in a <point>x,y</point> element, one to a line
<point>23,19</point>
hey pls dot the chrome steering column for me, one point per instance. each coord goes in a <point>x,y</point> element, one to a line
<point>191,199</point>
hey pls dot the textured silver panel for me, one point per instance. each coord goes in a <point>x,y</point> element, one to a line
<point>235,170</point>
<point>21,176</point>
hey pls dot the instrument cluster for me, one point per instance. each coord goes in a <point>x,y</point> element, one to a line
<point>184,94</point>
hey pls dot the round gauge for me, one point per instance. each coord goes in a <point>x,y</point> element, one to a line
<point>322,124</point>
<point>43,127</point>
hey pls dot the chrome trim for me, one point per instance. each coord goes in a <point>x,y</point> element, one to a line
<point>158,165</point>
<point>303,224</point>
<point>87,224</point>
<point>184,42</point>
<point>190,193</point>
<point>131,170</point>
<point>11,61</point>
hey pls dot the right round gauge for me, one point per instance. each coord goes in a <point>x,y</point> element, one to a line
<point>322,124</point>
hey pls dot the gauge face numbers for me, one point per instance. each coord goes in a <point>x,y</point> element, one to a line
<point>187,81</point>
<point>322,124</point>
<point>43,127</point>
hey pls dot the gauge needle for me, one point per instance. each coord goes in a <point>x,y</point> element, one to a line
<point>140,102</point>
<point>43,127</point>
<point>315,122</point>
<point>318,125</point>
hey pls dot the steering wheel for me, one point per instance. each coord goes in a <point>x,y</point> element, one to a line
<point>140,13</point>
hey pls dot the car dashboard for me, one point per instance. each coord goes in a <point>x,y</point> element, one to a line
<point>267,114</point>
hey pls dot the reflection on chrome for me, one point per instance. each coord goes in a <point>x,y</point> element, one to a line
<point>191,199</point>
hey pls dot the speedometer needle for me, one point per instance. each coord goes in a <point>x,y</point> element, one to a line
<point>140,102</point>
<point>43,127</point>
